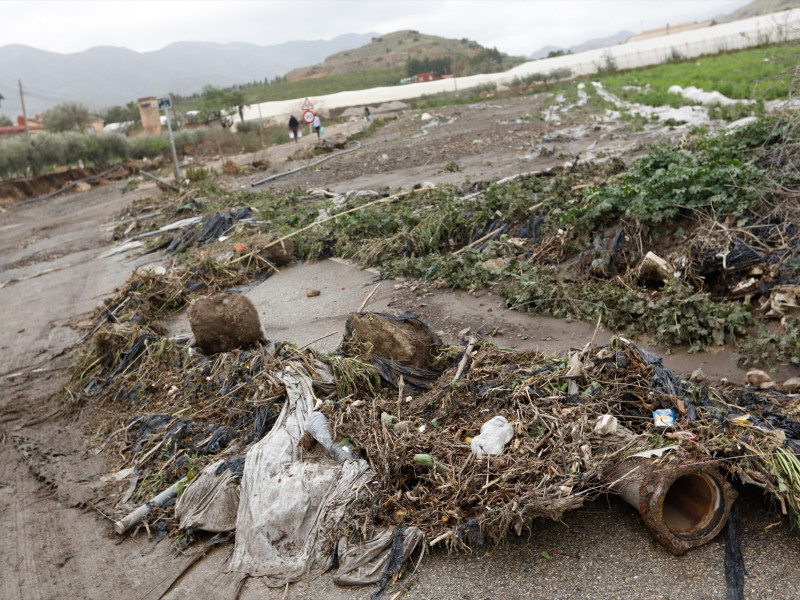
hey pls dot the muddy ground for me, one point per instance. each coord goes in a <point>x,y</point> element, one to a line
<point>59,545</point>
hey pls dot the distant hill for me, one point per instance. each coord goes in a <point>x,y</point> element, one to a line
<point>760,7</point>
<point>611,40</point>
<point>104,76</point>
<point>394,50</point>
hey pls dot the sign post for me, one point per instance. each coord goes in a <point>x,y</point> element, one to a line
<point>165,104</point>
<point>308,116</point>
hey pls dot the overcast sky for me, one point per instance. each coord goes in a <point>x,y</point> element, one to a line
<point>518,27</point>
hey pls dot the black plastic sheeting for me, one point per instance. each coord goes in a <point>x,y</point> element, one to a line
<point>499,226</point>
<point>734,562</point>
<point>185,433</point>
<point>414,377</point>
<point>736,257</point>
<point>241,213</point>
<point>138,346</point>
<point>393,566</point>
<point>220,438</point>
<point>471,534</point>
<point>214,226</point>
<point>665,381</point>
<point>260,424</point>
<point>234,464</point>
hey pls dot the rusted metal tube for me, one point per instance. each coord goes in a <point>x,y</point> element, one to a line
<point>684,506</point>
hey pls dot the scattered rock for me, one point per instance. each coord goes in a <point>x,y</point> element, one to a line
<point>494,263</point>
<point>224,322</point>
<point>393,106</point>
<point>82,186</point>
<point>758,378</point>
<point>654,268</point>
<point>280,254</point>
<point>231,168</point>
<point>311,292</point>
<point>698,376</point>
<point>790,386</point>
<point>404,339</point>
<point>321,192</point>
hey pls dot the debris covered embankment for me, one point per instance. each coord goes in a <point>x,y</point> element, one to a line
<point>567,242</point>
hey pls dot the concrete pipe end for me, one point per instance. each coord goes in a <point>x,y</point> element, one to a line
<point>685,507</point>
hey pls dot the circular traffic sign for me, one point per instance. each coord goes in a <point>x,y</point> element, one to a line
<point>308,117</point>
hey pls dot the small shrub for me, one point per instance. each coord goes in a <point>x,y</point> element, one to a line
<point>609,64</point>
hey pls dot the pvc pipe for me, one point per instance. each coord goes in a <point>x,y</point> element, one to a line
<point>134,517</point>
<point>290,171</point>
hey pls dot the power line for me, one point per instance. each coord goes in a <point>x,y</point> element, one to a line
<point>34,92</point>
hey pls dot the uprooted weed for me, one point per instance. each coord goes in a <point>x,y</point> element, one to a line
<point>568,242</point>
<point>428,476</point>
<point>176,411</point>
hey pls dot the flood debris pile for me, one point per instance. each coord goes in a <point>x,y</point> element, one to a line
<point>490,441</point>
<point>697,235</point>
<point>573,425</point>
<point>693,243</point>
<point>396,438</point>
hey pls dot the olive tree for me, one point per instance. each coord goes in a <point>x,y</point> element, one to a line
<point>70,116</point>
<point>219,104</point>
<point>4,120</point>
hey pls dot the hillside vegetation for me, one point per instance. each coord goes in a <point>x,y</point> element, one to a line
<point>761,7</point>
<point>396,49</point>
<point>382,62</point>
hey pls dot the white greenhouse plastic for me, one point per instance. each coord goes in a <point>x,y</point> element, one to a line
<point>774,28</point>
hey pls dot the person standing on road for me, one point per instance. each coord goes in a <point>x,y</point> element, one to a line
<point>367,115</point>
<point>317,125</point>
<point>293,127</point>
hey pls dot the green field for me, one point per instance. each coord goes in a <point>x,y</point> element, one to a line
<point>746,74</point>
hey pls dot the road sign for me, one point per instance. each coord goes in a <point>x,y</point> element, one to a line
<point>164,103</point>
<point>308,117</point>
<point>307,105</point>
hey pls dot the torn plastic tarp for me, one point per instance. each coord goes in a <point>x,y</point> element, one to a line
<point>366,563</point>
<point>289,505</point>
<point>210,503</point>
<point>288,502</point>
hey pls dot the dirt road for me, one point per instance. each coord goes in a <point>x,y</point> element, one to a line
<point>58,545</point>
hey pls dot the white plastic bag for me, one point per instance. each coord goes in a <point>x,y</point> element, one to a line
<point>495,434</point>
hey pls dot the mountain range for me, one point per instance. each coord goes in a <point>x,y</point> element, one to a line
<point>604,42</point>
<point>104,76</point>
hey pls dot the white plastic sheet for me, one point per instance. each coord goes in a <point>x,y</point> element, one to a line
<point>287,505</point>
<point>362,564</point>
<point>211,501</point>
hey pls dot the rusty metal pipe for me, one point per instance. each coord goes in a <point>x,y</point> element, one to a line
<point>684,506</point>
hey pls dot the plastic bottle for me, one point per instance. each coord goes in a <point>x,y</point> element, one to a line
<point>317,425</point>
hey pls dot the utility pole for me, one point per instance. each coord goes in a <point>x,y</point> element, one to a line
<point>22,101</point>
